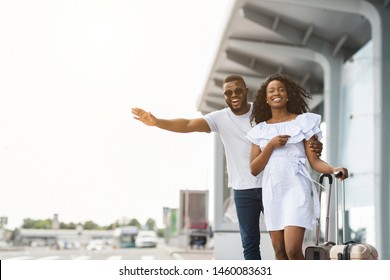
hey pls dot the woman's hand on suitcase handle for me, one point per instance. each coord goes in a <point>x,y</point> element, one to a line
<point>341,173</point>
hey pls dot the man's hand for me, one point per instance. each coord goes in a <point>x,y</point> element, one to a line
<point>145,117</point>
<point>316,146</point>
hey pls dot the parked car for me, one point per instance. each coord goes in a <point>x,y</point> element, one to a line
<point>96,245</point>
<point>147,238</point>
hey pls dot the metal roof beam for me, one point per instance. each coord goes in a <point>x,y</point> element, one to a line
<point>262,66</point>
<point>252,63</point>
<point>275,23</point>
<point>305,78</point>
<point>214,94</point>
<point>218,81</point>
<point>250,48</point>
<point>225,73</point>
<point>329,4</point>
<point>252,82</point>
<point>215,105</point>
<point>247,61</point>
<point>269,22</point>
<point>293,34</point>
<point>346,6</point>
<point>339,44</point>
<point>213,99</point>
<point>216,90</point>
<point>280,68</point>
<point>308,33</point>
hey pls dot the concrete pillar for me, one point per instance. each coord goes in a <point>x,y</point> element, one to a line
<point>379,18</point>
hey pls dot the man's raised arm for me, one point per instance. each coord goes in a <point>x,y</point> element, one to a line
<point>174,125</point>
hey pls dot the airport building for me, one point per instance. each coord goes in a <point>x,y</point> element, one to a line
<point>339,50</point>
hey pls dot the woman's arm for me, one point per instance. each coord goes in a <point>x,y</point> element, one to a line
<point>259,158</point>
<point>321,166</point>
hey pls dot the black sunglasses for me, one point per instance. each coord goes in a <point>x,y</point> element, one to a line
<point>237,91</point>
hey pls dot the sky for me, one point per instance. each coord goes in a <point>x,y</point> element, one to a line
<point>70,72</point>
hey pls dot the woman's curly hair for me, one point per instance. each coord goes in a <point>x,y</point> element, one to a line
<point>297,96</point>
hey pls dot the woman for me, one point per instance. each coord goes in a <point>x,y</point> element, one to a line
<point>280,148</point>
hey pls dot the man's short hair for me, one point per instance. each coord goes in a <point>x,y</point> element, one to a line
<point>233,78</point>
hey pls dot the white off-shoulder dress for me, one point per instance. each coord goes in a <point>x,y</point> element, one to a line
<point>287,185</point>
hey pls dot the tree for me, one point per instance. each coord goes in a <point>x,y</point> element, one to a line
<point>161,232</point>
<point>37,224</point>
<point>28,223</point>
<point>150,224</point>
<point>90,225</point>
<point>134,222</point>
<point>67,226</point>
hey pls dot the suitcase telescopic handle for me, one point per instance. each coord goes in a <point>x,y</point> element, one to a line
<point>338,175</point>
<point>320,181</point>
<point>329,176</point>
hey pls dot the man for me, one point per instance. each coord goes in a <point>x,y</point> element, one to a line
<point>232,124</point>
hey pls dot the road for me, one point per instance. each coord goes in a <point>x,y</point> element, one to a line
<point>45,253</point>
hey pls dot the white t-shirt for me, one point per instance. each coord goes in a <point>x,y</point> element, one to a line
<point>232,130</point>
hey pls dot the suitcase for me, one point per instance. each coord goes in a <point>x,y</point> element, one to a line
<point>349,250</point>
<point>321,252</point>
<point>353,251</point>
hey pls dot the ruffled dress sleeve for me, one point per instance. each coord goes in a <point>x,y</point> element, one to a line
<point>254,135</point>
<point>304,126</point>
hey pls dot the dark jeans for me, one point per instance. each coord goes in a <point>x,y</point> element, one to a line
<point>249,204</point>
